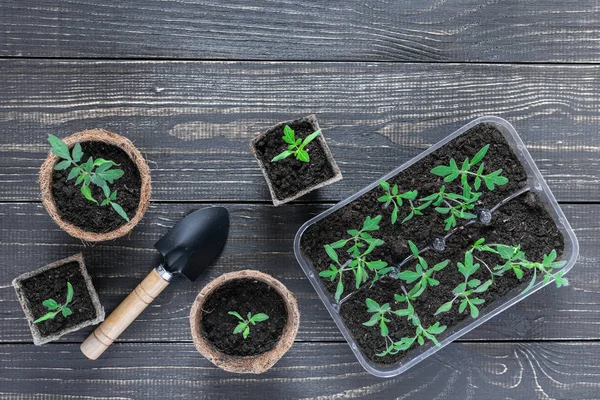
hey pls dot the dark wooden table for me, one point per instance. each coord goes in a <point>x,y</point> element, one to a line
<point>190,82</point>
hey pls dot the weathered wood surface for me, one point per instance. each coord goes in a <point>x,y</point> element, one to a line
<point>194,120</point>
<point>315,371</point>
<point>424,30</point>
<point>261,238</point>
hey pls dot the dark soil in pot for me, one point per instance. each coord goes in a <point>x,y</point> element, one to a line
<point>77,210</point>
<point>522,221</point>
<point>52,284</point>
<point>290,176</point>
<point>243,296</point>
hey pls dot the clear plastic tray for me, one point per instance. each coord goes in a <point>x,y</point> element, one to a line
<point>537,183</point>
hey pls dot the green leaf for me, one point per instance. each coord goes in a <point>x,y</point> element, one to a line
<point>384,185</point>
<point>339,244</point>
<point>309,139</point>
<point>463,306</point>
<point>87,193</point>
<point>74,172</point>
<point>436,329</point>
<point>384,329</point>
<point>236,314</point>
<point>62,165</point>
<point>413,248</point>
<point>105,164</point>
<point>288,135</point>
<point>303,156</point>
<point>441,266</point>
<point>480,154</point>
<point>111,175</point>
<point>120,211</point>
<point>373,321</point>
<point>474,310</point>
<point>69,293</point>
<point>281,156</point>
<point>372,305</point>
<point>371,224</point>
<point>50,315</point>
<point>395,190</point>
<point>409,276</point>
<point>239,328</point>
<point>395,214</point>
<point>77,153</point>
<point>461,288</point>
<point>339,290</point>
<point>66,311</point>
<point>260,317</point>
<point>50,304</point>
<point>484,286</point>
<point>528,288</point>
<point>331,253</point>
<point>59,147</point>
<point>444,308</point>
<point>79,178</point>
<point>408,217</point>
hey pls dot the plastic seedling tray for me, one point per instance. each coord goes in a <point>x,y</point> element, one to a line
<point>419,353</point>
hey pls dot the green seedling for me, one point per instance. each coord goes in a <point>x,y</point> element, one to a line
<point>421,333</point>
<point>465,294</point>
<point>454,205</point>
<point>451,171</point>
<point>516,261</point>
<point>295,146</point>
<point>54,308</point>
<point>361,244</point>
<point>422,274</point>
<point>396,199</point>
<point>98,171</point>
<point>243,326</point>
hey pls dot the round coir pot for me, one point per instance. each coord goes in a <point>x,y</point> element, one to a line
<point>223,289</point>
<point>98,139</point>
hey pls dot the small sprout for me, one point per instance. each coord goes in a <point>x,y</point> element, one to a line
<point>393,197</point>
<point>465,293</point>
<point>451,171</point>
<point>362,244</point>
<point>516,261</point>
<point>244,326</point>
<point>54,307</point>
<point>379,315</point>
<point>422,274</point>
<point>295,146</point>
<point>96,171</point>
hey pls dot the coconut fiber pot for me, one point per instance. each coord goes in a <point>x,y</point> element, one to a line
<point>82,218</point>
<point>244,291</point>
<point>50,282</point>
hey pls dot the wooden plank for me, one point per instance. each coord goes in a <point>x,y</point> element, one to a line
<point>194,120</point>
<point>469,30</point>
<point>317,371</point>
<point>261,238</point>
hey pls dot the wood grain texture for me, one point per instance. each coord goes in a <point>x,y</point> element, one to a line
<point>261,238</point>
<point>423,30</point>
<point>194,120</point>
<point>309,371</point>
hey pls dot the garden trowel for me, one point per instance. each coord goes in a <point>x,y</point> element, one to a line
<point>187,249</point>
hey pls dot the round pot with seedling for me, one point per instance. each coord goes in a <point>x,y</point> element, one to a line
<point>95,185</point>
<point>58,298</point>
<point>295,159</point>
<point>437,247</point>
<point>244,321</point>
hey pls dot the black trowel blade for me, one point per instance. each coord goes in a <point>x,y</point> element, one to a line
<point>194,242</point>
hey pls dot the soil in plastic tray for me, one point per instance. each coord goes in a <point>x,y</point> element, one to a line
<point>290,176</point>
<point>243,296</point>
<point>52,284</point>
<point>522,221</point>
<point>87,215</point>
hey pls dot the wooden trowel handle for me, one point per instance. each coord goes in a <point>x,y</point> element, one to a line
<point>133,305</point>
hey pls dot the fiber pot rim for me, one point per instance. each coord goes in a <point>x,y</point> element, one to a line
<point>38,338</point>
<point>96,135</point>
<point>337,174</point>
<point>256,364</point>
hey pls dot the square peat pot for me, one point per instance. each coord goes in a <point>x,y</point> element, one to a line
<point>289,179</point>
<point>50,282</point>
<point>522,211</point>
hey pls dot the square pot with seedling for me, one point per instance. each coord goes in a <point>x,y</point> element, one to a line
<point>437,247</point>
<point>295,159</point>
<point>244,321</point>
<point>95,185</point>
<point>58,298</point>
